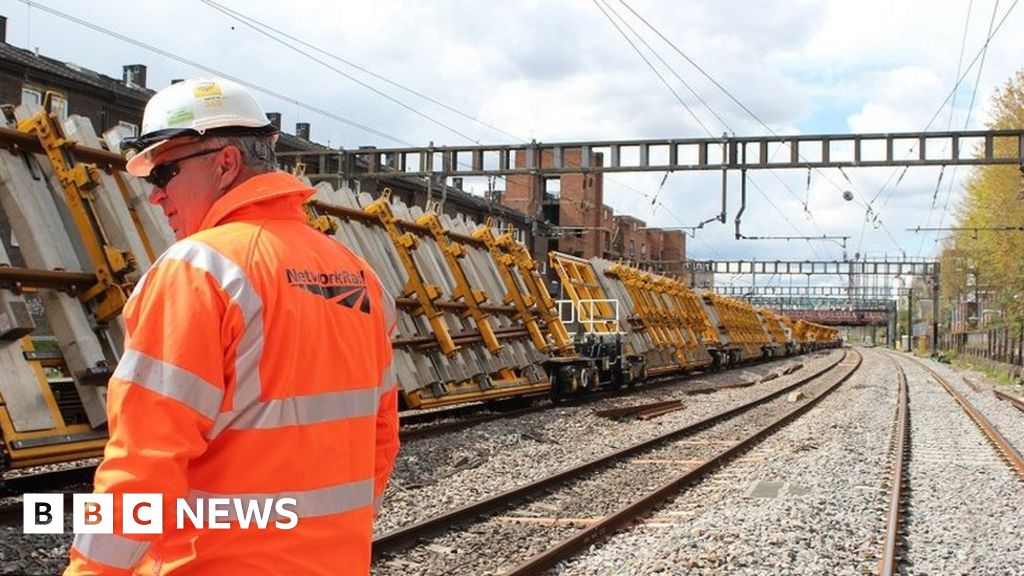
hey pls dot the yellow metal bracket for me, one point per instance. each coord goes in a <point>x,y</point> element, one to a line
<point>322,222</point>
<point>453,252</point>
<point>426,294</point>
<point>531,277</point>
<point>79,181</point>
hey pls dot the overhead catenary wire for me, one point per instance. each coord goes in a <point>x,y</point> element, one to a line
<point>785,185</point>
<point>678,98</point>
<point>949,96</point>
<point>252,23</point>
<point>243,17</point>
<point>716,83</point>
<point>970,109</point>
<point>261,29</point>
<point>949,126</point>
<point>671,70</point>
<point>211,70</point>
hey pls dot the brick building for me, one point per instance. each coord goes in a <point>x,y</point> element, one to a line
<point>582,225</point>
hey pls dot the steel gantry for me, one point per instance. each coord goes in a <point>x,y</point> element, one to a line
<point>969,147</point>
<point>830,292</point>
<point>920,267</point>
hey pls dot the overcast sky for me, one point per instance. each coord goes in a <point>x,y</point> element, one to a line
<point>559,70</point>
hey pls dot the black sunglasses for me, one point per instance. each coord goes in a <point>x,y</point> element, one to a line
<point>162,174</point>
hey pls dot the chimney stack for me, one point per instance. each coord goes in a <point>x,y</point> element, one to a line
<point>275,119</point>
<point>302,130</point>
<point>3,29</point>
<point>135,75</point>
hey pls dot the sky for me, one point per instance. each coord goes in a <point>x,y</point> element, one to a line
<point>560,70</point>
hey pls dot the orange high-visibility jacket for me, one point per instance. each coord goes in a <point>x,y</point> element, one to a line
<point>257,365</point>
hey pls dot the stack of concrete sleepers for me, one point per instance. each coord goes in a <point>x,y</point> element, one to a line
<point>639,340</point>
<point>483,274</point>
<point>39,233</point>
<point>426,371</point>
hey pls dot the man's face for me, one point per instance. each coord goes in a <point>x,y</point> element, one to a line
<point>189,195</point>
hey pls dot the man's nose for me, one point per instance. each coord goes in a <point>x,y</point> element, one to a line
<point>157,195</point>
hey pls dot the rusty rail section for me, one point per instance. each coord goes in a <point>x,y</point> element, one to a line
<point>637,409</point>
<point>465,416</point>
<point>1015,401</point>
<point>888,565</point>
<point>609,525</point>
<point>1001,444</point>
<point>402,538</point>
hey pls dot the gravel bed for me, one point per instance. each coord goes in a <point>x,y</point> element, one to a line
<point>31,554</point>
<point>1007,419</point>
<point>27,554</point>
<point>436,474</point>
<point>497,545</point>
<point>964,502</point>
<point>808,500</point>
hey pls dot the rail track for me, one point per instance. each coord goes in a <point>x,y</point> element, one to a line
<point>1003,446</point>
<point>891,555</point>
<point>417,426</point>
<point>701,443</point>
<point>1014,401</point>
<point>58,480</point>
<point>889,560</point>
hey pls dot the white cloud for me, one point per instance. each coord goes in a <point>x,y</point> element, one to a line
<point>557,70</point>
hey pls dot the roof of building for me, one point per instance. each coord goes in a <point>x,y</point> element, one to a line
<point>71,72</point>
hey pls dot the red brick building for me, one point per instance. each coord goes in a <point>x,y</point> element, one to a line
<point>582,225</point>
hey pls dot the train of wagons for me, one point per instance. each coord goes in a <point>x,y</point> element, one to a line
<point>478,317</point>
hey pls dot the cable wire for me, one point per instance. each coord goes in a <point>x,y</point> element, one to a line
<point>203,67</point>
<point>237,17</point>
<point>653,69</point>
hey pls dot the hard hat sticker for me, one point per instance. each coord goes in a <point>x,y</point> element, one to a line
<point>206,90</point>
<point>179,116</point>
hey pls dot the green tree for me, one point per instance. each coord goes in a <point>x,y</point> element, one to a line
<point>985,261</point>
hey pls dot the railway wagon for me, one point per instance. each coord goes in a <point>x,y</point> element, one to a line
<point>812,336</point>
<point>655,325</point>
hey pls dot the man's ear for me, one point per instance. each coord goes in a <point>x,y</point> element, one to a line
<point>229,167</point>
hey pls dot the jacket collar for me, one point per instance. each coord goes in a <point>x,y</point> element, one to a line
<point>275,194</point>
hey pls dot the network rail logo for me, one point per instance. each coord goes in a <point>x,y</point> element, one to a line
<point>144,513</point>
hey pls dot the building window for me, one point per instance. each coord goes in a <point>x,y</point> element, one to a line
<point>127,129</point>
<point>59,106</point>
<point>31,96</point>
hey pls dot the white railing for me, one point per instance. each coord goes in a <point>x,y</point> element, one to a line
<point>587,313</point>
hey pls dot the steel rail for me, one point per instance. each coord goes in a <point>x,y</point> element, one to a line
<point>49,481</point>
<point>610,524</point>
<point>888,564</point>
<point>1014,401</point>
<point>1001,444</point>
<point>632,410</point>
<point>467,418</point>
<point>405,537</point>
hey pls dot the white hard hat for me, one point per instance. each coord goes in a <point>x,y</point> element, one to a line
<point>194,107</point>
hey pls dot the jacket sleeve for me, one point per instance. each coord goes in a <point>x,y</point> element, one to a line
<point>387,410</point>
<point>161,402</point>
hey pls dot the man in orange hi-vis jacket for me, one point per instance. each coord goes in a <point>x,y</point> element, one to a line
<point>257,366</point>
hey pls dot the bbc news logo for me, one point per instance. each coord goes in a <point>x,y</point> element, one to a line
<point>144,513</point>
